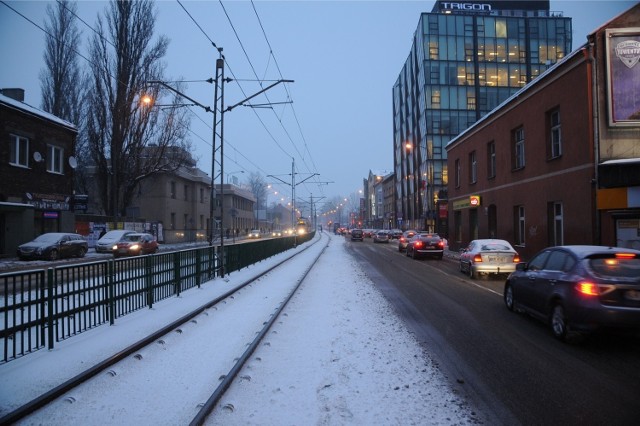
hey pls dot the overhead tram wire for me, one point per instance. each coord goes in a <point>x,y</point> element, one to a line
<point>293,110</point>
<point>302,157</point>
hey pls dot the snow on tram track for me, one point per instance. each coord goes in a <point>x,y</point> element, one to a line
<point>199,346</point>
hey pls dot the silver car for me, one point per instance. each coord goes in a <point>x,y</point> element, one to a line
<point>107,241</point>
<point>488,256</point>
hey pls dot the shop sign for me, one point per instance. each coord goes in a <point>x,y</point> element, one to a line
<point>474,201</point>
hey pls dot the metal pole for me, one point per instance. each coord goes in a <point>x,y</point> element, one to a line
<point>213,160</point>
<point>220,65</point>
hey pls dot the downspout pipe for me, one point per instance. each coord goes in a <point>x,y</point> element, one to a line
<point>594,124</point>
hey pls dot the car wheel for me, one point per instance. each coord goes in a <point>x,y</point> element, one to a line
<point>508,297</point>
<point>414,256</point>
<point>83,252</point>
<point>472,274</point>
<point>559,325</point>
<point>53,255</point>
<point>439,257</point>
<point>406,252</point>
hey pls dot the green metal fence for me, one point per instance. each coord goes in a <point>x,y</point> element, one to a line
<point>41,307</point>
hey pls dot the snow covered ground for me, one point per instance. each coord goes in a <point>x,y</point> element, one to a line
<point>338,355</point>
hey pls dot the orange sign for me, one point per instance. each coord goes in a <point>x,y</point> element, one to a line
<point>474,200</point>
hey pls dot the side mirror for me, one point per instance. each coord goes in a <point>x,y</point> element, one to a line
<point>522,266</point>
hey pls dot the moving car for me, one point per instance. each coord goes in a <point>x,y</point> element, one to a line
<point>135,244</point>
<point>578,289</point>
<point>404,239</point>
<point>395,234</point>
<point>276,234</point>
<point>381,237</point>
<point>107,241</point>
<point>255,233</point>
<point>488,256</point>
<point>422,245</point>
<point>357,235</point>
<point>53,246</point>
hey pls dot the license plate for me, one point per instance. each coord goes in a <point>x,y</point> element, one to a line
<point>633,294</point>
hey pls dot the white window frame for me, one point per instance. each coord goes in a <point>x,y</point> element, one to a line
<point>55,156</point>
<point>558,224</point>
<point>556,134</point>
<point>519,148</point>
<point>521,226</point>
<point>19,151</point>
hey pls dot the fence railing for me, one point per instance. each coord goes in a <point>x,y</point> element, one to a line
<point>41,307</point>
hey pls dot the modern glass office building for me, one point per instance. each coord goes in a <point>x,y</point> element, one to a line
<point>465,60</point>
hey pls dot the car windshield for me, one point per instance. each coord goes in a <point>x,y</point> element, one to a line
<point>48,238</point>
<point>616,267</point>
<point>133,238</point>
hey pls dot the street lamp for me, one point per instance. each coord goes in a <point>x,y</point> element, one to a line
<point>233,173</point>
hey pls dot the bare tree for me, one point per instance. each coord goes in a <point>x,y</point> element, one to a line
<point>128,140</point>
<point>61,78</point>
<point>61,93</point>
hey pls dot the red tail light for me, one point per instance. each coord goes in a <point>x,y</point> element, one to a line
<point>625,256</point>
<point>587,288</point>
<point>516,258</point>
<point>402,239</point>
<point>477,258</point>
<point>441,244</point>
<point>417,244</point>
<point>591,289</point>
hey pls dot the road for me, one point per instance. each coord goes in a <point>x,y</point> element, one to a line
<point>510,364</point>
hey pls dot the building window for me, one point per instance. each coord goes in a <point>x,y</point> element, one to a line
<point>202,195</point>
<point>519,225</point>
<point>457,173</point>
<point>55,155</point>
<point>185,220</point>
<point>491,159</point>
<point>201,221</point>
<point>186,192</point>
<point>173,221</point>
<point>473,167</point>
<point>556,230</point>
<point>555,134</point>
<point>518,148</point>
<point>172,190</point>
<point>19,151</point>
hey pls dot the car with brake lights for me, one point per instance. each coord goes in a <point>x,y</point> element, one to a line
<point>425,245</point>
<point>578,289</point>
<point>357,235</point>
<point>488,256</point>
<point>404,239</point>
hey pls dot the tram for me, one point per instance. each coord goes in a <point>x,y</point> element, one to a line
<point>302,226</point>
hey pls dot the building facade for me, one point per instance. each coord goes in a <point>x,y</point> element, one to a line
<point>553,165</point>
<point>466,59</point>
<point>36,170</point>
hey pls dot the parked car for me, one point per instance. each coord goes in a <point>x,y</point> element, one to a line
<point>107,241</point>
<point>135,244</point>
<point>488,256</point>
<point>357,235</point>
<point>423,245</point>
<point>53,246</point>
<point>381,237</point>
<point>255,233</point>
<point>404,239</point>
<point>578,289</point>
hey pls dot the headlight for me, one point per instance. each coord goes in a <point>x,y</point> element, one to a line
<point>115,247</point>
<point>134,247</point>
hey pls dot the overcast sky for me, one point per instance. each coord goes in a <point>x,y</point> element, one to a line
<point>344,57</point>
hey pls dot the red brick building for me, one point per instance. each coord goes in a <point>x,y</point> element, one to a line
<point>558,162</point>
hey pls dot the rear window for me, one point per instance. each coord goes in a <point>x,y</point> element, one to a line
<point>495,247</point>
<point>616,267</point>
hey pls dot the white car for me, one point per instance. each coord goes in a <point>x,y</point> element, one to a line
<point>488,256</point>
<point>255,233</point>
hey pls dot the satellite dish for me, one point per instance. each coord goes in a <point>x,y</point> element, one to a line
<point>73,162</point>
<point>37,156</point>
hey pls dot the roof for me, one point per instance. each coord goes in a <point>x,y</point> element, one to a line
<point>26,108</point>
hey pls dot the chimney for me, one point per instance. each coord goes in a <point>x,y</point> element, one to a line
<point>17,94</point>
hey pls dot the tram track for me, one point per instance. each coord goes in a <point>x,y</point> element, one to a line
<point>153,353</point>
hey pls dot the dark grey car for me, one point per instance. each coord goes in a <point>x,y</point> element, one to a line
<point>54,245</point>
<point>578,288</point>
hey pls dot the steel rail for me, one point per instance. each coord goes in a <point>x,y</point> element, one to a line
<point>208,406</point>
<point>58,391</point>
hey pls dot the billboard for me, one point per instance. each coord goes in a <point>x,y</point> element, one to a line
<point>623,73</point>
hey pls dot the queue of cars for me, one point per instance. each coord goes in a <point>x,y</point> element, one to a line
<point>575,289</point>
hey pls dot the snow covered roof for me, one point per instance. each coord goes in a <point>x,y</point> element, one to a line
<point>12,103</point>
